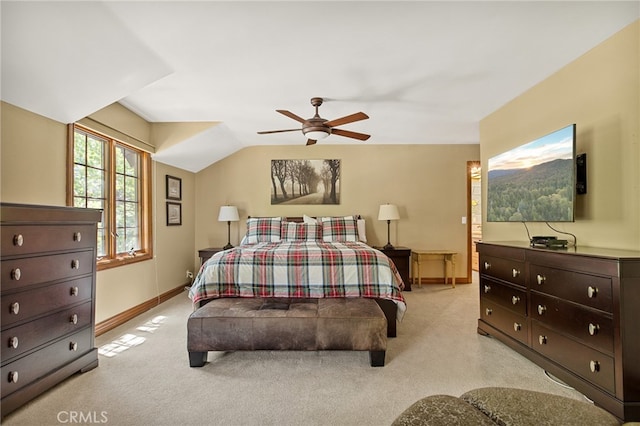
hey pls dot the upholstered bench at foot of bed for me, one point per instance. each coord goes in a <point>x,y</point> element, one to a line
<point>236,324</point>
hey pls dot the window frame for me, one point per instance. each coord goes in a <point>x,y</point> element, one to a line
<point>113,259</point>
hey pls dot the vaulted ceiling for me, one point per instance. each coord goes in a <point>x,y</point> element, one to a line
<point>425,72</point>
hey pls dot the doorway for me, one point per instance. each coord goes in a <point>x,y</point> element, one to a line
<point>474,211</point>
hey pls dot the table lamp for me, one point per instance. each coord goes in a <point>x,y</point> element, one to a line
<point>228,214</point>
<point>388,212</point>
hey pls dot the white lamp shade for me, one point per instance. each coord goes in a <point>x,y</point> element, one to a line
<point>388,212</point>
<point>228,214</point>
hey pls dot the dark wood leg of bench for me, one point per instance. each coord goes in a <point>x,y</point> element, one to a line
<point>197,359</point>
<point>377,358</point>
<point>390,311</point>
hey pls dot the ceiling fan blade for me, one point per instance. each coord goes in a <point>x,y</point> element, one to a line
<point>347,119</point>
<point>350,134</point>
<point>291,115</point>
<point>264,132</point>
<point>311,142</point>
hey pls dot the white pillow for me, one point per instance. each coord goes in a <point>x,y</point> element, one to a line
<point>310,220</point>
<point>362,234</point>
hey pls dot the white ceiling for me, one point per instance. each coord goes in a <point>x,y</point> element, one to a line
<point>425,72</point>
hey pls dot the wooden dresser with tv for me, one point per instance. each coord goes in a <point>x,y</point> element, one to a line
<point>575,312</point>
<point>48,298</point>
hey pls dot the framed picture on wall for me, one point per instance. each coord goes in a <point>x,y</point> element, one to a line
<point>174,188</point>
<point>305,181</point>
<point>174,213</point>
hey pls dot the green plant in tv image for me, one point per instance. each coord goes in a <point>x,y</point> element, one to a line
<point>542,193</point>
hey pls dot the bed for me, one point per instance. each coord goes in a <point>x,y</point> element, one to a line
<point>303,258</point>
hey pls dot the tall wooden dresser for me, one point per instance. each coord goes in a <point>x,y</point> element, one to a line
<point>48,298</point>
<point>574,312</point>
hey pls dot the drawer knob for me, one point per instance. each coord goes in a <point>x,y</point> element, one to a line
<point>74,291</point>
<point>517,326</point>
<point>77,236</point>
<point>13,377</point>
<point>75,264</point>
<point>593,329</point>
<point>542,339</point>
<point>488,311</point>
<point>18,240</point>
<point>487,266</point>
<point>542,309</point>
<point>540,279</point>
<point>73,319</point>
<point>73,346</point>
<point>487,288</point>
<point>594,366</point>
<point>515,273</point>
<point>515,300</point>
<point>14,308</point>
<point>16,274</point>
<point>13,342</point>
<point>592,292</point>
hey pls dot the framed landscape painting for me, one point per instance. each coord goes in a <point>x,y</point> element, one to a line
<point>305,181</point>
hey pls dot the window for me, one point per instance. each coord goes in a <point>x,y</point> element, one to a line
<point>110,175</point>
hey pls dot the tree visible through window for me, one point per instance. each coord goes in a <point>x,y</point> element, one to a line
<point>112,176</point>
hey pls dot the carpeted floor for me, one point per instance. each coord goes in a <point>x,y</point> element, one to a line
<point>144,376</point>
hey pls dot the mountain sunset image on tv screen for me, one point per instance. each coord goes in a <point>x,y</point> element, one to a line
<point>534,182</point>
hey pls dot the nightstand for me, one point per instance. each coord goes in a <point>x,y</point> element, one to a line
<point>206,253</point>
<point>401,257</point>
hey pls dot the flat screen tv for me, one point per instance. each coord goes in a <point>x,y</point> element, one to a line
<point>535,182</point>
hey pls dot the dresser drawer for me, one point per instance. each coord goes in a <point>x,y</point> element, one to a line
<point>507,321</point>
<point>23,338</point>
<point>24,305</point>
<point>25,370</point>
<point>512,298</point>
<point>30,239</point>
<point>19,273</point>
<point>585,289</point>
<point>593,328</point>
<point>592,365</point>
<point>504,269</point>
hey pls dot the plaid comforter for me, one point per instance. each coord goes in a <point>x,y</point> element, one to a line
<point>300,269</point>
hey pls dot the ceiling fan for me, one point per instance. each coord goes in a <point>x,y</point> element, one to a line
<point>319,128</point>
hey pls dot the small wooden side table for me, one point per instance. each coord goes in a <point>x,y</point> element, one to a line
<point>206,253</point>
<point>447,256</point>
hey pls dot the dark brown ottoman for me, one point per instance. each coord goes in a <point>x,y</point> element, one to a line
<point>236,324</point>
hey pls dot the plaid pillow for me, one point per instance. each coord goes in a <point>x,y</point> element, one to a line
<point>292,231</point>
<point>263,230</point>
<point>337,229</point>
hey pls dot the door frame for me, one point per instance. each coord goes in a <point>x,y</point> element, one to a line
<point>471,165</point>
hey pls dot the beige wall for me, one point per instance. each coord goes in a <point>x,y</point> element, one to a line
<point>33,153</point>
<point>33,157</point>
<point>600,92</point>
<point>427,183</point>
<point>174,244</point>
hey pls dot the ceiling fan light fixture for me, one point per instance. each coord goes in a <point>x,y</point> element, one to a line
<point>317,128</point>
<point>317,134</point>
